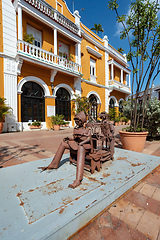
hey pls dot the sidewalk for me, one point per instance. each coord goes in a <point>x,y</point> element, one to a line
<point>135,215</point>
<point>21,147</point>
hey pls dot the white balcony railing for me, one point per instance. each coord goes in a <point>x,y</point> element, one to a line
<point>52,13</point>
<point>36,53</point>
<point>119,85</point>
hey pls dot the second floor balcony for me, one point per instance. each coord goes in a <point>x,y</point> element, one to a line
<point>31,52</point>
<point>120,86</point>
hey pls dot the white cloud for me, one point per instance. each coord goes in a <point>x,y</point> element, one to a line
<point>119,28</point>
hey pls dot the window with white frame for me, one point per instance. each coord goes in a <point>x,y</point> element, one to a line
<point>63,50</point>
<point>92,69</point>
<point>36,34</point>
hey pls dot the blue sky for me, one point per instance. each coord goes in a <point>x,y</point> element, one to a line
<point>98,12</point>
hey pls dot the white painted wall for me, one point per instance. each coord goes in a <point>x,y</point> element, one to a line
<point>9,28</point>
<point>10,64</point>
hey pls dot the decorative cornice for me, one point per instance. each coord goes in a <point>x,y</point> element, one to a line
<point>94,52</point>
<point>94,84</point>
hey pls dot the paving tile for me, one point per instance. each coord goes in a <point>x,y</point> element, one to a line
<point>136,198</point>
<point>105,221</point>
<point>107,234</point>
<point>122,232</point>
<point>90,232</point>
<point>149,225</point>
<point>156,194</point>
<point>156,152</point>
<point>127,212</point>
<point>152,205</point>
<point>139,186</point>
<point>153,180</point>
<point>147,190</point>
<point>137,235</point>
<point>158,212</point>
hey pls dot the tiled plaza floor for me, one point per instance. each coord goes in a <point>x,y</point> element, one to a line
<point>135,215</point>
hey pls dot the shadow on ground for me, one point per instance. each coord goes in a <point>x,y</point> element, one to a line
<point>9,153</point>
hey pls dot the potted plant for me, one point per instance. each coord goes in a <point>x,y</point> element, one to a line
<point>56,121</point>
<point>141,29</point>
<point>4,109</point>
<point>29,39</point>
<point>35,125</point>
<point>116,121</point>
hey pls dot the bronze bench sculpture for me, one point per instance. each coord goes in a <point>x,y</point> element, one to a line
<point>84,146</point>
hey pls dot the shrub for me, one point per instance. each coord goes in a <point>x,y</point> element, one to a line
<point>4,109</point>
<point>57,120</point>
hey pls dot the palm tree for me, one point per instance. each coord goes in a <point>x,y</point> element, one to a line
<point>121,50</point>
<point>97,28</point>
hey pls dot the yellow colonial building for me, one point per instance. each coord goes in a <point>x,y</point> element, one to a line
<point>40,75</point>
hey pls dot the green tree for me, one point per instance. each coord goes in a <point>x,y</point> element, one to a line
<point>82,104</point>
<point>141,28</point>
<point>97,28</point>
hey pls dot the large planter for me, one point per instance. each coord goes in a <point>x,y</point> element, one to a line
<point>56,127</point>
<point>1,127</point>
<point>133,141</point>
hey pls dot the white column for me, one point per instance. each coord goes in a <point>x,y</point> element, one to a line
<point>105,39</point>
<point>112,72</point>
<point>129,80</point>
<point>121,76</point>
<point>55,41</point>
<point>78,53</point>
<point>19,22</point>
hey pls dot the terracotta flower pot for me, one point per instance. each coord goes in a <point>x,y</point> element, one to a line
<point>56,127</point>
<point>133,141</point>
<point>1,127</point>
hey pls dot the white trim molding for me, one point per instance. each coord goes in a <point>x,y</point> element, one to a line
<point>67,87</point>
<point>34,79</point>
<point>94,52</point>
<point>115,101</point>
<point>121,99</point>
<point>95,94</point>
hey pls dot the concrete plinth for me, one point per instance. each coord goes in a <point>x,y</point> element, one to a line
<point>38,204</point>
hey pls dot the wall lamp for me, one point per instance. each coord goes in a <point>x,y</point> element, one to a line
<point>52,87</point>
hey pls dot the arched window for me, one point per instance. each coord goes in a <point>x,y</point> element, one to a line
<point>63,103</point>
<point>93,101</point>
<point>111,103</point>
<point>32,102</point>
<point>120,106</point>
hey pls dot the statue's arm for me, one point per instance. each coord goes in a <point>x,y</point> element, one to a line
<point>88,139</point>
<point>67,139</point>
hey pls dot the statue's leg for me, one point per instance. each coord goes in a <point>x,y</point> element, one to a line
<point>80,167</point>
<point>56,160</point>
<point>112,147</point>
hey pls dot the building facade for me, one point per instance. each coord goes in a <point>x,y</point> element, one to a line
<point>41,75</point>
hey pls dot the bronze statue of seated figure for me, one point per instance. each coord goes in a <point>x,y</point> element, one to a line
<point>83,146</point>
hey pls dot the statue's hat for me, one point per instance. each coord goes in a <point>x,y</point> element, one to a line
<point>82,116</point>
